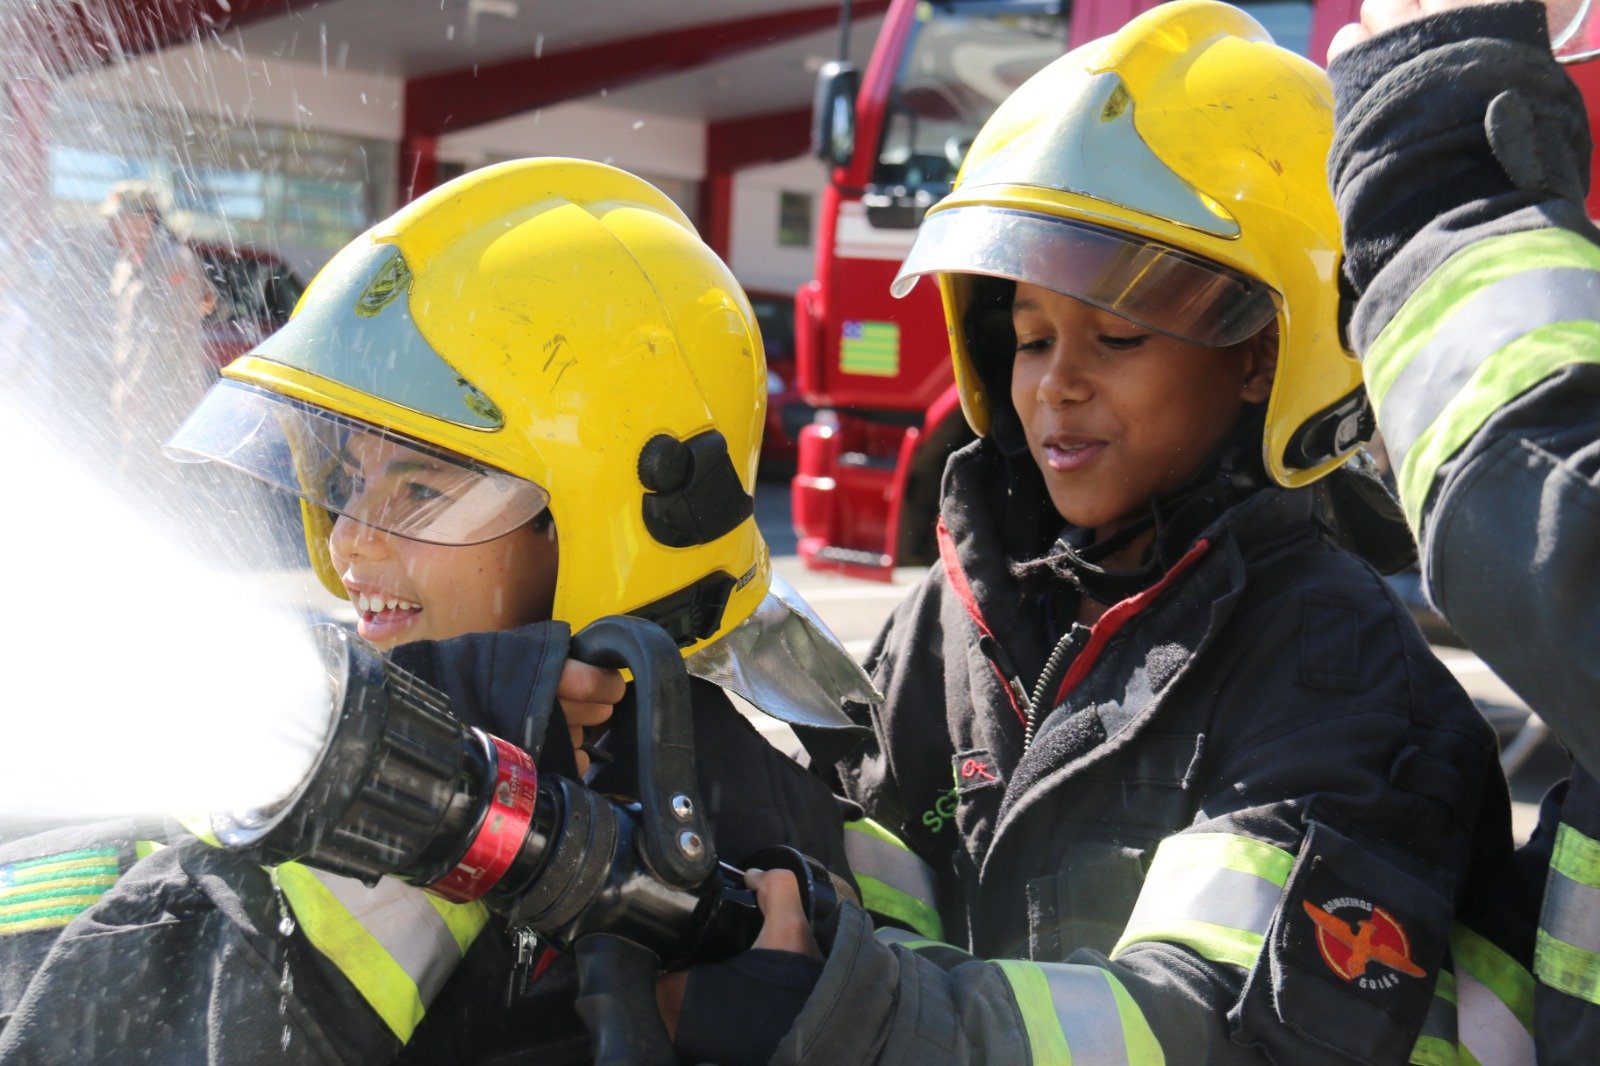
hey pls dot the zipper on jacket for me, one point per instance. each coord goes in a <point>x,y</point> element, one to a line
<point>1055,667</point>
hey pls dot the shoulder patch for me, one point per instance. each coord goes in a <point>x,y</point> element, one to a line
<point>977,769</point>
<point>1361,935</point>
<point>1354,952</point>
<point>51,890</point>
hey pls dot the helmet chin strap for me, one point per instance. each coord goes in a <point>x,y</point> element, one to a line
<point>1231,472</point>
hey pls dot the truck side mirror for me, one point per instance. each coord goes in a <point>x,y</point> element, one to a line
<point>833,129</point>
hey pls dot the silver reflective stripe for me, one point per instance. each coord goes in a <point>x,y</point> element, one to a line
<point>1218,896</point>
<point>1487,1028</point>
<point>405,924</point>
<point>1088,1014</point>
<point>892,864</point>
<point>1571,912</point>
<point>1489,320</point>
<point>892,934</point>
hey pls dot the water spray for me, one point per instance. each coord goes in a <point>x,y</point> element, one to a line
<point>401,788</point>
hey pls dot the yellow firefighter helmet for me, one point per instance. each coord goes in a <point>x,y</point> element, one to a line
<point>549,334</point>
<point>1173,173</point>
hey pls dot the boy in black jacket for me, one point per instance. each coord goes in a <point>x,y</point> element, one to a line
<point>1169,753</point>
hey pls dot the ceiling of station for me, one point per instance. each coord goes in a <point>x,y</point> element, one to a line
<point>411,38</point>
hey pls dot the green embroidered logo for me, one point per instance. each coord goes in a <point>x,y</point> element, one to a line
<point>942,812</point>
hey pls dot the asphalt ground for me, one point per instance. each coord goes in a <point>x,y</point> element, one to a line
<point>855,609</point>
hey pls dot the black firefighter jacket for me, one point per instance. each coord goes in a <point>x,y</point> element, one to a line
<point>1238,835</point>
<point>1479,330</point>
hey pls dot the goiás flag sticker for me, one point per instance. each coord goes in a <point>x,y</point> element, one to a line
<point>869,348</point>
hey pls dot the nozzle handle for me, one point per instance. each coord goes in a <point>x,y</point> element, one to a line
<point>676,838</point>
<point>617,1002</point>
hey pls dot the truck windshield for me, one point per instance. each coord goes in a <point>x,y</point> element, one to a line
<point>962,60</point>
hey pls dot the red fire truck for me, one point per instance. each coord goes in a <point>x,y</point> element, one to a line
<point>878,369</point>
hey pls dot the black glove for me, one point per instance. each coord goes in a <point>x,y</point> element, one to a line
<point>737,1011</point>
<point>504,683</point>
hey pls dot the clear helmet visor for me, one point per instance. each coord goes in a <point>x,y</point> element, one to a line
<point>377,478</point>
<point>1151,284</point>
<point>1574,29</point>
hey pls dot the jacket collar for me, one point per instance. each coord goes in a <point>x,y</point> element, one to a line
<point>1149,643</point>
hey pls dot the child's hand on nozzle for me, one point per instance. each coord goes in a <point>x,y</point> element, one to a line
<point>784,926</point>
<point>588,695</point>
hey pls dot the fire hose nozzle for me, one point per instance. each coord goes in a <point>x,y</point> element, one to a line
<point>402,788</point>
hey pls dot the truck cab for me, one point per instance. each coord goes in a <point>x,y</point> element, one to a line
<point>877,369</point>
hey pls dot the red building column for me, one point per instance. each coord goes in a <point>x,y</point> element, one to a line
<point>737,143</point>
<point>1327,16</point>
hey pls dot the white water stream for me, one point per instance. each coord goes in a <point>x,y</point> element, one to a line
<point>141,670</point>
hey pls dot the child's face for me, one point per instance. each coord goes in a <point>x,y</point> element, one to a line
<point>1114,413</point>
<point>407,590</point>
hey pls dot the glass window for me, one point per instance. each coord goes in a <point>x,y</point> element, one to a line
<point>268,187</point>
<point>964,60</point>
<point>1289,22</point>
<point>794,219</point>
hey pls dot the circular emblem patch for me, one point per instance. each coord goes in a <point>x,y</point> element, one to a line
<point>1362,943</point>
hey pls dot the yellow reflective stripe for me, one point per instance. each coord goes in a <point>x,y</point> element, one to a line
<point>894,881</point>
<point>405,924</point>
<point>890,902</point>
<point>1137,1036</point>
<point>330,928</point>
<point>1473,268</point>
<point>1214,893</point>
<point>1080,1014</point>
<point>200,825</point>
<point>1046,1042</point>
<point>1494,1002</point>
<point>145,848</point>
<point>464,920</point>
<point>1577,856</point>
<point>1432,1051</point>
<point>1486,963</point>
<point>1567,968</point>
<point>1502,377</point>
<point>1565,953</point>
<point>1235,947</point>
